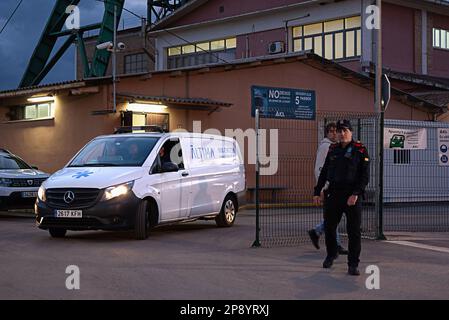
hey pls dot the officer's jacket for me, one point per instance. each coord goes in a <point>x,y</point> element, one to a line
<point>346,169</point>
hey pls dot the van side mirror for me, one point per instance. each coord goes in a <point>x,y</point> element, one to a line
<point>170,167</point>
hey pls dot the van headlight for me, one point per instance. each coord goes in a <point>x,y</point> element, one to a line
<point>41,194</point>
<point>117,191</point>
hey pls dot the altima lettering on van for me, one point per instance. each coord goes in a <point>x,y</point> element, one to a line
<point>202,153</point>
<point>227,152</point>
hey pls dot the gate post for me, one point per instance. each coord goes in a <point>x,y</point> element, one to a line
<point>256,242</point>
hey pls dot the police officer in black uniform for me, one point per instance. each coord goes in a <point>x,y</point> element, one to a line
<point>347,170</point>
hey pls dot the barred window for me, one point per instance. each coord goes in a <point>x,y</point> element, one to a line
<point>136,63</point>
<point>333,40</point>
<point>440,38</point>
<point>201,53</point>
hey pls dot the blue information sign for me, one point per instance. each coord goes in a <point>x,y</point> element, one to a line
<point>283,103</point>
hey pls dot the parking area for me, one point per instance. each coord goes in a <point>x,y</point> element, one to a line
<point>200,261</point>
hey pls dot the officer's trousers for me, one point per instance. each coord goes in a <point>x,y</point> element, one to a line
<point>334,206</point>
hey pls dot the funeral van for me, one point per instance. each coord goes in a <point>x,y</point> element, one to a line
<point>142,180</point>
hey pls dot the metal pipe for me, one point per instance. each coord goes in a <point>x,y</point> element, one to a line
<point>257,241</point>
<point>114,61</point>
<point>380,110</point>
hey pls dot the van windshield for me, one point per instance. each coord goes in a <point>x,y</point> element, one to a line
<point>115,152</point>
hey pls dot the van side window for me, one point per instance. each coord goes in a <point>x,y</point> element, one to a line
<point>169,152</point>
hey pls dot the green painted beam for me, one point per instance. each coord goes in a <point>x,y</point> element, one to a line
<point>83,55</point>
<point>53,60</point>
<point>100,60</point>
<point>46,43</point>
<point>82,29</point>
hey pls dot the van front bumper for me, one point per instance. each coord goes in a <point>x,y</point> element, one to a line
<point>114,214</point>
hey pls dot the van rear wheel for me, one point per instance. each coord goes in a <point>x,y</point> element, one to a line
<point>226,217</point>
<point>57,232</point>
<point>142,223</point>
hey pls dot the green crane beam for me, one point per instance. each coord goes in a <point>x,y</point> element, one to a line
<point>101,57</point>
<point>46,43</point>
<point>159,9</point>
<point>40,62</point>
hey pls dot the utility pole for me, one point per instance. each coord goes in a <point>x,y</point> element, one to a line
<point>256,243</point>
<point>114,60</point>
<point>380,111</point>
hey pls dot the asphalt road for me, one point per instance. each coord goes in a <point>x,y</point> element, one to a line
<point>200,261</point>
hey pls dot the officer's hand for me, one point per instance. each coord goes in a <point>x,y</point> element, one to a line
<point>317,200</point>
<point>352,200</point>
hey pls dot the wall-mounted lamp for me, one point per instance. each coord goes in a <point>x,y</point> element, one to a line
<point>146,107</point>
<point>41,99</point>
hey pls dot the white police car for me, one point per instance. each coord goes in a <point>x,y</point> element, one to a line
<point>19,182</point>
<point>140,180</point>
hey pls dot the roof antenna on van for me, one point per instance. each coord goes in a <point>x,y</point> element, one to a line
<point>131,129</point>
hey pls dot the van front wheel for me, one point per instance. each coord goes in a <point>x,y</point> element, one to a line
<point>226,217</point>
<point>142,223</point>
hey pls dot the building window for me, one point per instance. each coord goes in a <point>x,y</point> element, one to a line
<point>333,40</point>
<point>201,53</point>
<point>32,112</point>
<point>402,156</point>
<point>136,63</point>
<point>440,39</point>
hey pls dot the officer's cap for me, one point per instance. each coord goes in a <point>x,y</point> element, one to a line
<point>344,124</point>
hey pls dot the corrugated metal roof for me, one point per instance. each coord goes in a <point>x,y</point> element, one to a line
<point>42,86</point>
<point>175,100</point>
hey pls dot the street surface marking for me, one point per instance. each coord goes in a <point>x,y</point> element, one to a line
<point>420,246</point>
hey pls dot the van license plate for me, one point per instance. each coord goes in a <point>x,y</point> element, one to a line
<point>29,194</point>
<point>69,213</point>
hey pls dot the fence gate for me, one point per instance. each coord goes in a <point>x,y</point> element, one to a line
<point>286,187</point>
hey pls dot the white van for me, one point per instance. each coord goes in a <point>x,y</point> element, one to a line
<point>140,180</point>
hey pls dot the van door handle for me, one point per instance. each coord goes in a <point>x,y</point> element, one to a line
<point>185,174</point>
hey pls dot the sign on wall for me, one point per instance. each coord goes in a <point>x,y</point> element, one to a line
<point>443,145</point>
<point>283,103</point>
<point>405,139</point>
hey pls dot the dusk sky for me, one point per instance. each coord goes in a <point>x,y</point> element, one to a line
<point>19,38</point>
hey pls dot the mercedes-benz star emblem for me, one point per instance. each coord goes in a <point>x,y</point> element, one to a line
<point>69,196</point>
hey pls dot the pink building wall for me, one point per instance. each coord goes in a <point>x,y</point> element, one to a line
<point>257,43</point>
<point>439,64</point>
<point>211,10</point>
<point>398,47</point>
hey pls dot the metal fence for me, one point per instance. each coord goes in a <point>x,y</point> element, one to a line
<point>416,188</point>
<point>416,183</point>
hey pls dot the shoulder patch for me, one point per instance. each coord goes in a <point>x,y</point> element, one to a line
<point>360,147</point>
